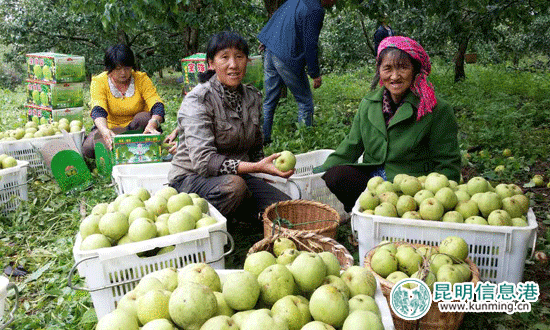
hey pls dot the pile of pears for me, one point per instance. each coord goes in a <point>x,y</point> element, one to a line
<point>35,129</point>
<point>446,263</point>
<point>284,290</point>
<point>434,197</point>
<point>139,216</point>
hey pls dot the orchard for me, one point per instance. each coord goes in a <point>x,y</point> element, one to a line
<point>501,103</point>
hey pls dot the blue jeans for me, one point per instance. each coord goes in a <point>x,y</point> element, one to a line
<point>276,75</point>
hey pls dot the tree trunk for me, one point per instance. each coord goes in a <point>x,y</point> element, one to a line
<point>366,34</point>
<point>460,74</point>
<point>193,40</point>
<point>122,38</point>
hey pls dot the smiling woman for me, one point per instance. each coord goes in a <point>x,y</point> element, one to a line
<point>400,128</point>
<point>220,137</point>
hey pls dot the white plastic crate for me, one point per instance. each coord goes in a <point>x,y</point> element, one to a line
<point>304,184</point>
<point>5,287</point>
<point>151,176</point>
<point>13,186</point>
<point>29,149</point>
<point>112,272</point>
<point>498,251</point>
<point>379,298</point>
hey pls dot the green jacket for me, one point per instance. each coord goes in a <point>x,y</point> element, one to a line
<point>406,146</point>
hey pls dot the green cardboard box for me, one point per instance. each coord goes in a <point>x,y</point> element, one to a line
<point>191,66</point>
<point>56,67</point>
<point>42,112</point>
<point>55,95</point>
<point>69,113</point>
<point>41,115</point>
<point>132,148</point>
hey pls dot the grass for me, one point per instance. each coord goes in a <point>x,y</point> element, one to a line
<point>497,109</point>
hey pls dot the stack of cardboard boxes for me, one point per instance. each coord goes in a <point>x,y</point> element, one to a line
<point>55,86</point>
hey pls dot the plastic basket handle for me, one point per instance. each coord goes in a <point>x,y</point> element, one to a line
<point>73,269</point>
<point>533,245</point>
<point>127,249</point>
<point>15,306</point>
<point>300,194</point>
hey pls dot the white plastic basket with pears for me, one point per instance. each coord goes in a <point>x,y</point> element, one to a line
<point>121,242</point>
<point>496,222</point>
<point>25,143</point>
<point>303,292</point>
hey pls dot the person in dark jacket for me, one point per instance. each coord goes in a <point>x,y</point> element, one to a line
<point>290,39</point>
<point>383,31</point>
<point>399,128</point>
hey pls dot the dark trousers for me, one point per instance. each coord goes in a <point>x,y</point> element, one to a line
<point>238,196</point>
<point>140,121</point>
<point>347,182</point>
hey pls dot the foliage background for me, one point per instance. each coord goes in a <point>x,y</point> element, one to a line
<point>502,103</point>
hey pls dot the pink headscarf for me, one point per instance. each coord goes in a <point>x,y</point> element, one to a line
<point>420,87</point>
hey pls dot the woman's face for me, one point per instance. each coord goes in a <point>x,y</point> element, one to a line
<point>396,75</point>
<point>230,66</point>
<point>121,74</point>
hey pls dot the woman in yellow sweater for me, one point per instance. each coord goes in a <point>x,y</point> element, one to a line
<point>122,99</point>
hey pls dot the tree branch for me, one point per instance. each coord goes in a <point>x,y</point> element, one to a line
<point>68,37</point>
<point>367,37</point>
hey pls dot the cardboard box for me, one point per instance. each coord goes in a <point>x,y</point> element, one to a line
<point>38,114</point>
<point>134,148</point>
<point>55,95</point>
<point>42,112</point>
<point>55,67</point>
<point>191,66</point>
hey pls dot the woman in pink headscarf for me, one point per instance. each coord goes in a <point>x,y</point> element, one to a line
<point>399,128</point>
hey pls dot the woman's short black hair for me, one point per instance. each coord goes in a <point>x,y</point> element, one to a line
<point>119,55</point>
<point>220,41</point>
<point>400,57</point>
<point>223,40</point>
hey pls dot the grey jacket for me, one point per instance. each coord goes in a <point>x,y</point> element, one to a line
<point>210,132</point>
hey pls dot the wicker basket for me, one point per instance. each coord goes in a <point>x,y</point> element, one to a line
<point>308,242</point>
<point>303,215</point>
<point>434,319</point>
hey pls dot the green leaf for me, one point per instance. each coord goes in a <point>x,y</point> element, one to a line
<point>89,317</point>
<point>35,275</point>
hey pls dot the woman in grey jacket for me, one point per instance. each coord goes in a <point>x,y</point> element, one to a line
<point>220,137</point>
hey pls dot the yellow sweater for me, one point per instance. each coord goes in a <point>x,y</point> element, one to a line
<point>122,110</point>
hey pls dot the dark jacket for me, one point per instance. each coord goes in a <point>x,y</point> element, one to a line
<point>380,34</point>
<point>292,34</point>
<point>406,146</point>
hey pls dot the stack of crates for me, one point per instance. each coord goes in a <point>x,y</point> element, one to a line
<point>55,86</point>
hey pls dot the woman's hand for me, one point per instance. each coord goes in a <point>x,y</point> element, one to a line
<point>153,125</point>
<point>267,166</point>
<point>150,129</point>
<point>107,136</point>
<point>171,139</point>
